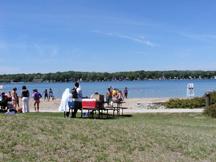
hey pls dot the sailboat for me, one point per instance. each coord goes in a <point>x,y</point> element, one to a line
<point>1,86</point>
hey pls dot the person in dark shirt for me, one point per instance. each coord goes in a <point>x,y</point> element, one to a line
<point>126,92</point>
<point>77,94</point>
<point>25,99</point>
<point>36,96</point>
<point>109,96</point>
<point>46,94</point>
<point>51,95</point>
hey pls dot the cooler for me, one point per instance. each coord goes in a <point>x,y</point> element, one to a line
<point>89,103</point>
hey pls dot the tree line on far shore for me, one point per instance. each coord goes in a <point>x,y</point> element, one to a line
<point>105,76</point>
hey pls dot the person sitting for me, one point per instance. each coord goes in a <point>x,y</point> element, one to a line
<point>118,97</point>
<point>4,101</point>
<point>94,94</point>
<point>11,110</point>
<point>114,92</point>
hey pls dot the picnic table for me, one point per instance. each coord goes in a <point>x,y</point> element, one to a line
<point>116,107</point>
<point>92,107</point>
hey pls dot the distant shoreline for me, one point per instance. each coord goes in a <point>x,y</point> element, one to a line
<point>105,76</point>
<point>107,81</point>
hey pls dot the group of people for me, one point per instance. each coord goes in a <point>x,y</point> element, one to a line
<point>116,95</point>
<point>71,98</point>
<point>68,99</point>
<point>48,95</point>
<point>10,101</point>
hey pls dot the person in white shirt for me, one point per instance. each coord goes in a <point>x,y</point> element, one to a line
<point>78,90</point>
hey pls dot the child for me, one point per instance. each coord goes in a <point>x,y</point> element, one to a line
<point>36,95</point>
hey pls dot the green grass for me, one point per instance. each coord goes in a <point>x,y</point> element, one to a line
<point>142,137</point>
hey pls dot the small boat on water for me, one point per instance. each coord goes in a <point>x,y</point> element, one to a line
<point>1,87</point>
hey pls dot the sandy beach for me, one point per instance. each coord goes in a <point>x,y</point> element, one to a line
<point>134,105</point>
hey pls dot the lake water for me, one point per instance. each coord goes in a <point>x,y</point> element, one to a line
<point>137,89</point>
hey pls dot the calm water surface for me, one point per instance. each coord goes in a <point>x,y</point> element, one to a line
<point>137,89</point>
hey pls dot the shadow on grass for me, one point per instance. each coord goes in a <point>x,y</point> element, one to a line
<point>101,116</point>
<point>78,116</point>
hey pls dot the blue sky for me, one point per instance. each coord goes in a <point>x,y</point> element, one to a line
<point>107,35</point>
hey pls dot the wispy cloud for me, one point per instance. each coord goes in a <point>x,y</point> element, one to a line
<point>137,39</point>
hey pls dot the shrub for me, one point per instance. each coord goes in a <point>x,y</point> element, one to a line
<point>211,111</point>
<point>196,102</point>
<point>213,97</point>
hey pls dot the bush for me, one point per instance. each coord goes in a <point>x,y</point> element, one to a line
<point>196,102</point>
<point>211,111</point>
<point>213,97</point>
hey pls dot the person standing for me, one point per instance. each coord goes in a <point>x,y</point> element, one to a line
<point>78,104</point>
<point>36,96</point>
<point>46,94</point>
<point>25,99</point>
<point>51,96</point>
<point>78,90</point>
<point>109,96</point>
<point>126,92</point>
<point>15,98</point>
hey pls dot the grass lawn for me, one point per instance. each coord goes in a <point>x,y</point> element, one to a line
<point>142,137</point>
